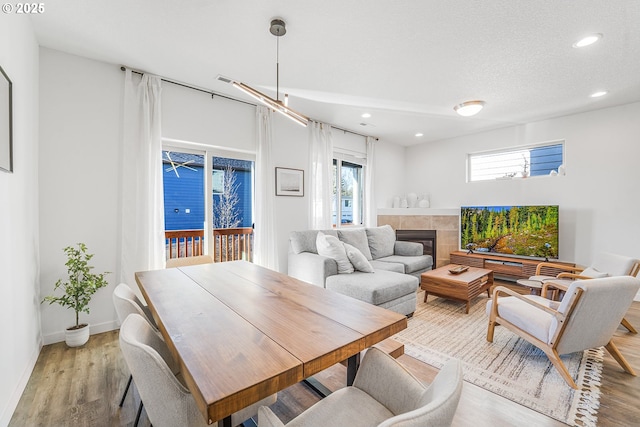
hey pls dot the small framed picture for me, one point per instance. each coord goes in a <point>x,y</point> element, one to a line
<point>289,182</point>
<point>6,123</point>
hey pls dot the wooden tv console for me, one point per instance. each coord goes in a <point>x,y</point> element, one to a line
<point>505,266</point>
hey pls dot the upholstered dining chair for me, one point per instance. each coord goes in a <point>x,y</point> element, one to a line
<point>383,394</point>
<point>167,401</point>
<point>126,302</point>
<point>190,260</point>
<point>586,317</point>
<point>605,264</point>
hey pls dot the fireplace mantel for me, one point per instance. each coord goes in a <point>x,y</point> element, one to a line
<point>418,211</point>
<point>444,221</point>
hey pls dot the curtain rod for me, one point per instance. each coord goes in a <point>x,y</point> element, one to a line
<point>212,93</point>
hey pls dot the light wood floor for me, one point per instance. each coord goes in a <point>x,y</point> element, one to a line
<point>82,387</point>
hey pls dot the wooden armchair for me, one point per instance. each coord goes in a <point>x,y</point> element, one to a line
<point>606,264</point>
<point>587,317</point>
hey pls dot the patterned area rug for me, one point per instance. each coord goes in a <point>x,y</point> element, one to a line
<point>510,366</point>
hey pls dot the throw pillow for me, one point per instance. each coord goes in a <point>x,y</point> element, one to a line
<point>381,241</point>
<point>333,248</point>
<point>358,259</point>
<point>593,273</point>
<point>357,238</point>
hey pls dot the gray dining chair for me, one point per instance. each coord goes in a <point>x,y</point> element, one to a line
<point>167,401</point>
<point>384,394</point>
<point>126,302</point>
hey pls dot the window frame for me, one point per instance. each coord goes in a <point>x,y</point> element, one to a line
<point>340,156</point>
<point>514,150</point>
<point>209,152</point>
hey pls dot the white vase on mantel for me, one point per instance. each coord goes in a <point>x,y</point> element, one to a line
<point>424,201</point>
<point>412,199</point>
<point>396,202</point>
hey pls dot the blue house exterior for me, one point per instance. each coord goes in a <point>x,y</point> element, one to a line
<point>184,207</point>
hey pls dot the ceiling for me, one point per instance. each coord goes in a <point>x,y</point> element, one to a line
<point>406,62</point>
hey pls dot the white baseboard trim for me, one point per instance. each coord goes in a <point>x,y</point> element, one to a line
<point>95,329</point>
<point>12,404</point>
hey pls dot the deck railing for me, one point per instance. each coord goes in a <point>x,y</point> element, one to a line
<point>229,244</point>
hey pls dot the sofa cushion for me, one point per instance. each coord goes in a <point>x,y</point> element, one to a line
<point>356,237</point>
<point>358,260</point>
<point>387,266</point>
<point>305,241</point>
<point>331,247</point>
<point>376,289</point>
<point>381,241</point>
<point>411,263</point>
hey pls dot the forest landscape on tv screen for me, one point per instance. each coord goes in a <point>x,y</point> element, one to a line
<point>528,231</point>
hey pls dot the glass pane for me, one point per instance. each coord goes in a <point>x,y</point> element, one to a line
<point>184,207</point>
<point>183,178</point>
<point>519,163</point>
<point>232,192</point>
<point>351,193</point>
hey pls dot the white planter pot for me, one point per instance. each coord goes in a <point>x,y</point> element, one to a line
<point>77,337</point>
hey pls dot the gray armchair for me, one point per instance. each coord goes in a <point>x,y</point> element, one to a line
<point>587,317</point>
<point>384,394</point>
<point>604,265</point>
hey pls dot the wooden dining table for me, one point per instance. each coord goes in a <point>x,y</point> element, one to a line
<point>241,332</point>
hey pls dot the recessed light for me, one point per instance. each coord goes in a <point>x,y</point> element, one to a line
<point>599,94</point>
<point>366,115</point>
<point>589,40</point>
<point>418,135</point>
<point>469,108</point>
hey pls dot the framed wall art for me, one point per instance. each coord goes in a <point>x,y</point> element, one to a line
<point>6,123</point>
<point>289,182</point>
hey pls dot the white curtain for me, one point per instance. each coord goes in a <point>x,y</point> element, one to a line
<point>320,175</point>
<point>265,239</point>
<point>142,205</point>
<point>370,210</point>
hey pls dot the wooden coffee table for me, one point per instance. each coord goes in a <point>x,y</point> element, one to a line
<point>461,287</point>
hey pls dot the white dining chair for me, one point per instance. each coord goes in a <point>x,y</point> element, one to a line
<point>384,394</point>
<point>167,401</point>
<point>126,302</point>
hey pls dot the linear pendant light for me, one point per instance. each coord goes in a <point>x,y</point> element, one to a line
<point>278,29</point>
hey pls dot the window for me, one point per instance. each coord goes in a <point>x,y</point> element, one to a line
<point>188,209</point>
<point>521,162</point>
<point>232,182</point>
<point>348,189</point>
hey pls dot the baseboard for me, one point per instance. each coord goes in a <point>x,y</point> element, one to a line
<point>12,404</point>
<point>95,329</point>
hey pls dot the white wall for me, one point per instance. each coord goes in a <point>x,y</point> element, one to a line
<point>389,178</point>
<point>20,302</point>
<point>80,133</point>
<point>598,196</point>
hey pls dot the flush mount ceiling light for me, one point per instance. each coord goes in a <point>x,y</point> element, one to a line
<point>278,29</point>
<point>366,115</point>
<point>469,108</point>
<point>588,40</point>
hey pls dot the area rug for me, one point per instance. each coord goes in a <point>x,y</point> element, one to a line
<point>510,366</point>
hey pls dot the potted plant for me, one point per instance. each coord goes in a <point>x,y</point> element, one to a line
<point>78,291</point>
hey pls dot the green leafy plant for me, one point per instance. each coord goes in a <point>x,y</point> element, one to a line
<point>82,283</point>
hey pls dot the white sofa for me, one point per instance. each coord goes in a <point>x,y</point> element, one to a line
<point>397,266</point>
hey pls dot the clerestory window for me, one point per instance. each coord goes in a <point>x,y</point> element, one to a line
<point>521,162</point>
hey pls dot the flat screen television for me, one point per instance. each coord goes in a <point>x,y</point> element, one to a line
<point>525,231</point>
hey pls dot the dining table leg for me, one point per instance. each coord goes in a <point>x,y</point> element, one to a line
<point>225,422</point>
<point>352,368</point>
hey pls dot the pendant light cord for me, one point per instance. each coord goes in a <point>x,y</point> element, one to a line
<point>278,67</point>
